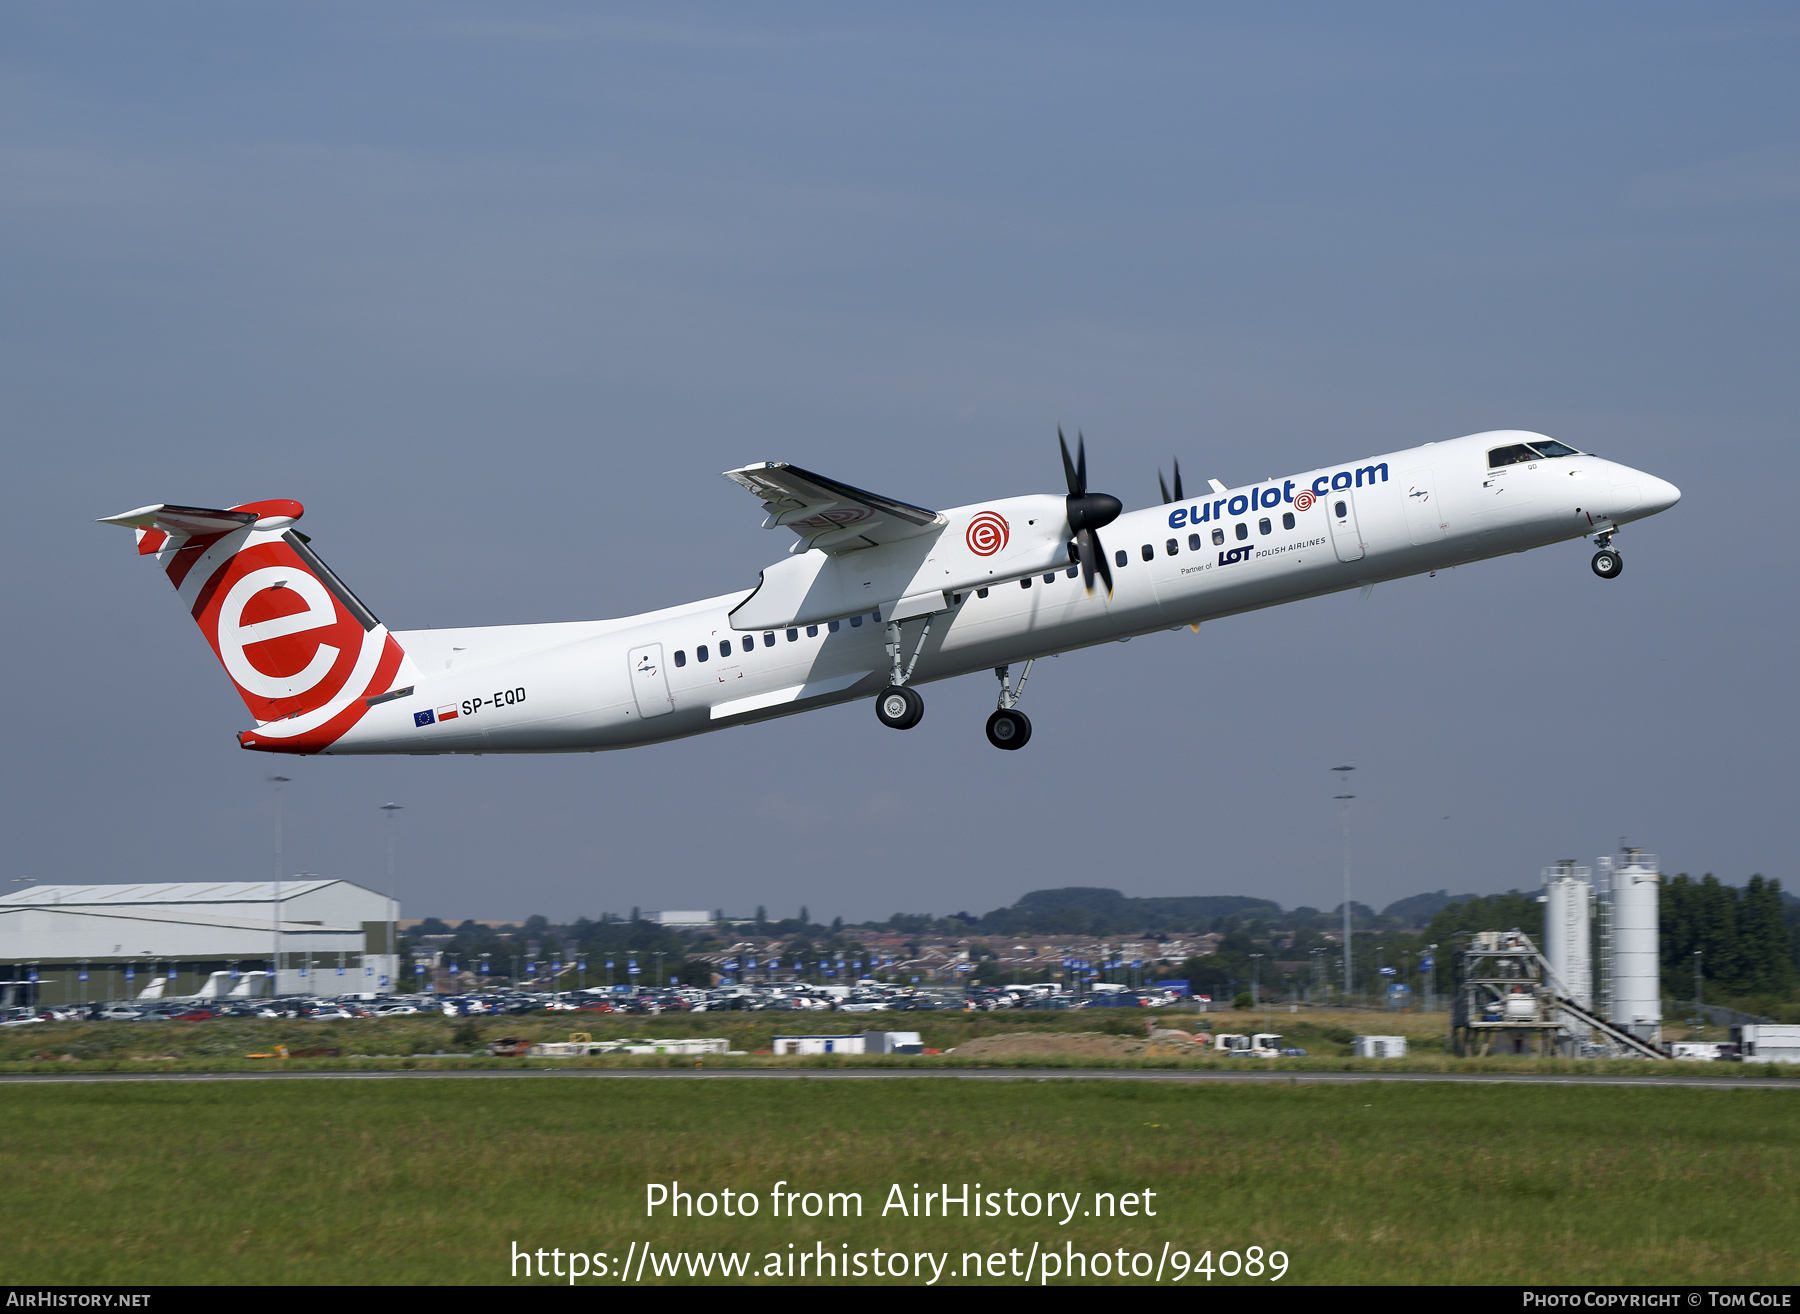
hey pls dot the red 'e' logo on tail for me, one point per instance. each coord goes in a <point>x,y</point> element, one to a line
<point>286,642</point>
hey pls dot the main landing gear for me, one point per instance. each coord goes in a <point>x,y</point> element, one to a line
<point>1607,562</point>
<point>1007,728</point>
<point>898,707</point>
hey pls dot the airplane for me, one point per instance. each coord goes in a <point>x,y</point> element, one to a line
<point>876,597</point>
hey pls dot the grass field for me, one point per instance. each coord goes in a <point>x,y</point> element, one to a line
<point>434,1181</point>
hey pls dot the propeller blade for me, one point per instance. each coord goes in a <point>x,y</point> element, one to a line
<point>1178,496</point>
<point>1093,560</point>
<point>1081,461</point>
<point>1164,488</point>
<point>1077,483</point>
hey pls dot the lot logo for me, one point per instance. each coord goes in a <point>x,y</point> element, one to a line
<point>987,534</point>
<point>1234,556</point>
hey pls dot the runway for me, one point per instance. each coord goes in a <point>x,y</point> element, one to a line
<point>921,1074</point>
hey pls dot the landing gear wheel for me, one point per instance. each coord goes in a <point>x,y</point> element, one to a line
<point>899,708</point>
<point>1608,563</point>
<point>1008,729</point>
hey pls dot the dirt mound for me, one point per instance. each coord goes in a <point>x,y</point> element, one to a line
<point>1081,1044</point>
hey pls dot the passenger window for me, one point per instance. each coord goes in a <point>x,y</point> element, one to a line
<point>1173,547</point>
<point>981,593</point>
<point>1119,557</point>
<point>1193,542</point>
<point>700,653</point>
<point>1148,552</point>
<point>724,647</point>
<point>680,657</point>
<point>832,626</point>
<point>1218,538</point>
<point>1025,583</point>
<point>749,642</point>
<point>769,638</point>
<point>856,620</point>
<point>1264,526</point>
<point>1072,571</point>
<point>1287,519</point>
<point>1243,531</point>
<point>1340,510</point>
<point>793,636</point>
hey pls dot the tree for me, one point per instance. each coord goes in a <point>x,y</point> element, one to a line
<point>1767,966</point>
<point>805,916</point>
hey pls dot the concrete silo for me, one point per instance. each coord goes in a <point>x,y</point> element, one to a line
<point>1636,977</point>
<point>1568,921</point>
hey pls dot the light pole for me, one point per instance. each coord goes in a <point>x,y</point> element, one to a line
<point>1255,993</point>
<point>1345,800</point>
<point>393,903</point>
<point>1431,979</point>
<point>275,903</point>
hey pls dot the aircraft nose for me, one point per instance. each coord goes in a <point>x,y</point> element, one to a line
<point>1660,494</point>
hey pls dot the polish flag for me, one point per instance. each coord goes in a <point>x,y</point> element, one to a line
<point>447,713</point>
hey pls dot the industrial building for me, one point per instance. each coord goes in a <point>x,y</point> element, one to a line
<point>1521,999</point>
<point>69,944</point>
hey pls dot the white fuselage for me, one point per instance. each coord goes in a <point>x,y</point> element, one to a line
<point>585,686</point>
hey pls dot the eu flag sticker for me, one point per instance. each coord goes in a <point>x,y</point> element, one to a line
<point>424,718</point>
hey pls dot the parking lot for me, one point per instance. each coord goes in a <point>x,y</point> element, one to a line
<point>866,997</point>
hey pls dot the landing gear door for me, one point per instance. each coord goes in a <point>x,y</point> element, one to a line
<point>1340,511</point>
<point>1424,515</point>
<point>649,681</point>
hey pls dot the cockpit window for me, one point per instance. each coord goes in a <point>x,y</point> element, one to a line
<point>1519,453</point>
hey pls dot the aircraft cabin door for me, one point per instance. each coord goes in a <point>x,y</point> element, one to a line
<point>1340,512</point>
<point>649,681</point>
<point>1424,514</point>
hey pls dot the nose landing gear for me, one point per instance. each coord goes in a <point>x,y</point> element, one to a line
<point>1607,562</point>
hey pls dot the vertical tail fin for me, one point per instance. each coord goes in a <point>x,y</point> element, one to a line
<point>302,649</point>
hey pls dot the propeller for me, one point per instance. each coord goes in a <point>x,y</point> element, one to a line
<point>1165,488</point>
<point>1088,514</point>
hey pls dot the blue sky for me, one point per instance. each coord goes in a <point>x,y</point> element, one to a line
<point>497,291</point>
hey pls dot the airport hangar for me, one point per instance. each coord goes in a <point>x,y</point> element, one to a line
<point>333,938</point>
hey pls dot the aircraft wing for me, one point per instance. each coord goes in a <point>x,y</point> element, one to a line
<point>830,516</point>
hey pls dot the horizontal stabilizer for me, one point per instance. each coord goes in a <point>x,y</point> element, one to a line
<point>157,524</point>
<point>189,520</point>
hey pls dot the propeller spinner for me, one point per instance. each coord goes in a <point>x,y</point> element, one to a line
<point>1088,514</point>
